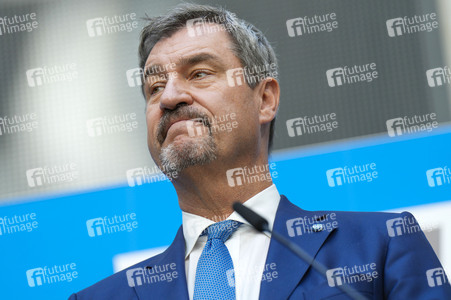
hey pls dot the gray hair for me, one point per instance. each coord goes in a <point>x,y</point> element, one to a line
<point>249,44</point>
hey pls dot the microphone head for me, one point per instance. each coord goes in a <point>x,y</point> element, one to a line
<point>252,217</point>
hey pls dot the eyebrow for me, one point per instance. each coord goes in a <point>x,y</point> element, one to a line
<point>184,61</point>
<point>198,58</point>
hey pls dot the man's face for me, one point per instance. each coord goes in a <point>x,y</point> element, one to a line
<point>193,84</point>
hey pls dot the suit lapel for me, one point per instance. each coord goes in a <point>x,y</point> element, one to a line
<point>176,289</point>
<point>289,267</point>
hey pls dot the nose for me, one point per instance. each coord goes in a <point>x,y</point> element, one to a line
<point>175,94</point>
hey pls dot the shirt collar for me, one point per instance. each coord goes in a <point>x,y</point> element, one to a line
<point>264,203</point>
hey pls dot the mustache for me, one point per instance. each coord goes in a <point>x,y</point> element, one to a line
<point>180,112</point>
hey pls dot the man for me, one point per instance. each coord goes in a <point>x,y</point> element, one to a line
<point>204,67</point>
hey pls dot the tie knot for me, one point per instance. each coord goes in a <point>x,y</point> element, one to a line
<point>222,230</point>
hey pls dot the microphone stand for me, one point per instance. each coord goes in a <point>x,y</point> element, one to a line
<point>260,224</point>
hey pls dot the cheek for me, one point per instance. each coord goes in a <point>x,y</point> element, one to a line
<point>245,105</point>
<point>235,99</point>
<point>152,123</point>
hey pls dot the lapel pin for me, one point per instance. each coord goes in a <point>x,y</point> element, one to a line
<point>317,227</point>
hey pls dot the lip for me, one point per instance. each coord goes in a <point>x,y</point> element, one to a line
<point>172,123</point>
<point>175,121</point>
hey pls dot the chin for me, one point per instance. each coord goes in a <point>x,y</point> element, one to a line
<point>185,152</point>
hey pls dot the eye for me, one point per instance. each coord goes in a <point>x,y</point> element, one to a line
<point>199,74</point>
<point>156,89</point>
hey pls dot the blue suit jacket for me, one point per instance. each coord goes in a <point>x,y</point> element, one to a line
<point>382,255</point>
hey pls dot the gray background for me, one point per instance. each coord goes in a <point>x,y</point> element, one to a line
<point>102,89</point>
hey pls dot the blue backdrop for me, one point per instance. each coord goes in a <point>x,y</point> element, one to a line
<point>59,239</point>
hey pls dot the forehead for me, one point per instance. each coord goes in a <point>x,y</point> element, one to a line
<point>213,38</point>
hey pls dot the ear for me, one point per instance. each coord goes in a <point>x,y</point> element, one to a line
<point>269,94</point>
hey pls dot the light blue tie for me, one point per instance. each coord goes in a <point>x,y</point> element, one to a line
<point>215,277</point>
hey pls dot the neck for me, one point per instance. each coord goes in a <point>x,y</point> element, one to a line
<point>205,190</point>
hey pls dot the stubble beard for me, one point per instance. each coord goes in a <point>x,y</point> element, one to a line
<point>178,156</point>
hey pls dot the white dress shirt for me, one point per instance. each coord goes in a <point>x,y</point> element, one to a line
<point>248,247</point>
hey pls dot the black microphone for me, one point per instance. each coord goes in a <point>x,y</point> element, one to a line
<point>259,223</point>
<point>252,217</point>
